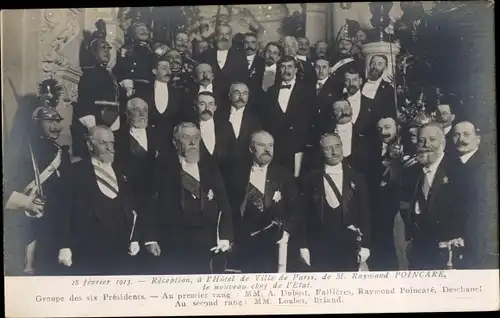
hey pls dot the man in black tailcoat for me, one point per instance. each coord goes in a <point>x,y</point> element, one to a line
<point>377,92</point>
<point>98,97</point>
<point>384,183</point>
<point>256,63</point>
<point>218,140</point>
<point>191,221</point>
<point>228,64</point>
<point>287,114</point>
<point>138,146</point>
<point>97,227</point>
<point>165,100</point>
<point>264,200</point>
<point>34,179</point>
<point>335,227</point>
<point>435,215</point>
<point>242,119</point>
<point>481,248</point>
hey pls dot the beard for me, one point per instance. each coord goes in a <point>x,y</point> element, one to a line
<point>374,74</point>
<point>192,155</point>
<point>264,158</point>
<point>140,122</point>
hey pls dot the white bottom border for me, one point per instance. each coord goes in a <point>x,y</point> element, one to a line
<point>240,294</point>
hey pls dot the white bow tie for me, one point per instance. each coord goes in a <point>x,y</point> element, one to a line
<point>427,170</point>
<point>257,169</point>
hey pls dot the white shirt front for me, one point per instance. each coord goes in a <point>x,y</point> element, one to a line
<point>235,118</point>
<point>190,168</point>
<point>355,101</point>
<point>141,136</point>
<point>258,177</point>
<point>467,156</point>
<point>161,96</point>
<point>447,130</point>
<point>302,58</point>
<point>250,59</point>
<point>429,174</point>
<point>432,169</point>
<point>271,68</point>
<point>371,87</point>
<point>109,176</point>
<point>384,149</point>
<point>284,95</point>
<point>222,57</point>
<point>337,175</point>
<point>345,133</point>
<point>116,124</point>
<point>208,134</point>
<point>209,88</point>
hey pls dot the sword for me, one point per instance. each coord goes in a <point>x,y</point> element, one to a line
<point>37,191</point>
<point>273,223</point>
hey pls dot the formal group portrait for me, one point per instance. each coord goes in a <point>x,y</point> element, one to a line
<point>262,138</point>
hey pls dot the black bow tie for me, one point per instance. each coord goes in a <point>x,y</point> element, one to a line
<point>289,86</point>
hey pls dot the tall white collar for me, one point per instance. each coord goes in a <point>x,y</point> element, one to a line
<point>235,111</point>
<point>333,170</point>
<point>467,156</point>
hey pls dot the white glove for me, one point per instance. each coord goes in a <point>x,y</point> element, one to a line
<point>222,246</point>
<point>284,239</point>
<point>363,255</point>
<point>65,257</point>
<point>153,248</point>
<point>305,256</point>
<point>134,248</point>
<point>129,91</point>
<point>458,242</point>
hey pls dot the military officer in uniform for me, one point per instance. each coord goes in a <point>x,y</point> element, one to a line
<point>135,61</point>
<point>98,97</point>
<point>31,197</point>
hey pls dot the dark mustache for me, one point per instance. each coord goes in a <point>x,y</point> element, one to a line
<point>265,153</point>
<point>207,112</point>
<point>460,143</point>
<point>240,100</point>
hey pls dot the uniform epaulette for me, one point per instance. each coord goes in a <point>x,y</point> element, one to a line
<point>88,67</point>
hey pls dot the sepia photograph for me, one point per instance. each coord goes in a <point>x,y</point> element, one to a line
<point>233,158</point>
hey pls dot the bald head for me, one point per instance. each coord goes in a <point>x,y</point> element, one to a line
<point>465,137</point>
<point>101,143</point>
<point>137,113</point>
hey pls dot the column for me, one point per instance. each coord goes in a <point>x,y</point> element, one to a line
<point>316,22</point>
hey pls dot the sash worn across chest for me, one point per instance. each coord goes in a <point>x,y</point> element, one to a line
<point>255,197</point>
<point>190,184</point>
